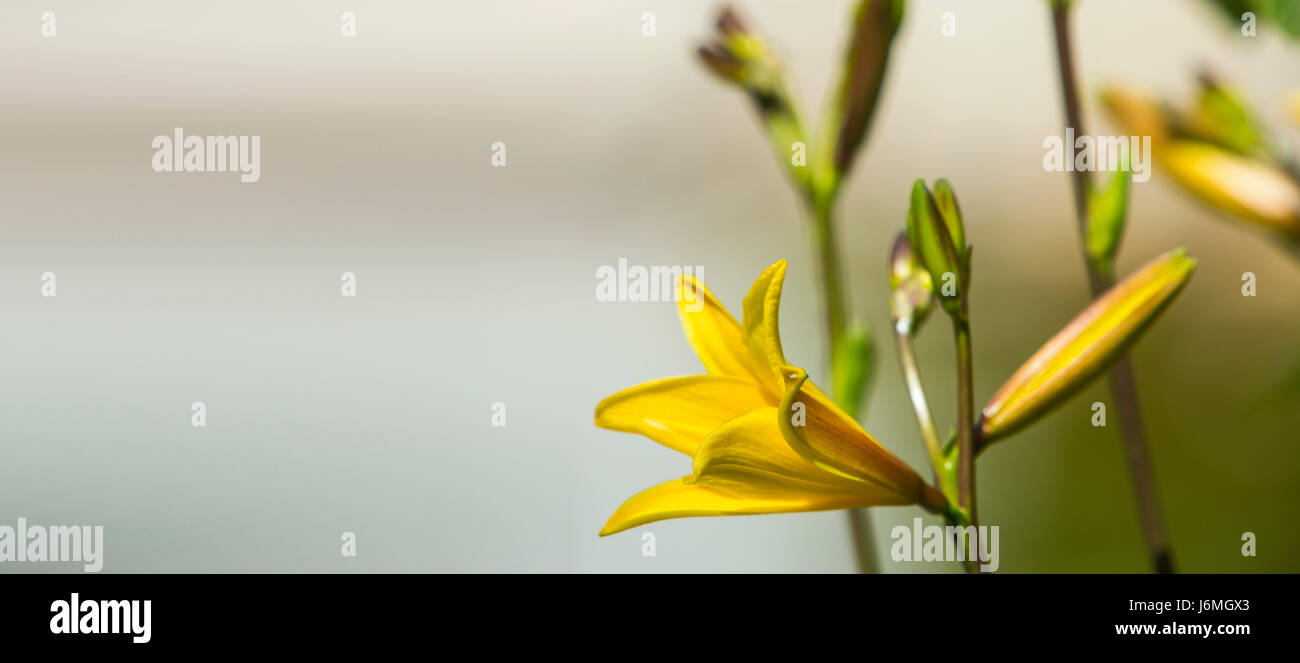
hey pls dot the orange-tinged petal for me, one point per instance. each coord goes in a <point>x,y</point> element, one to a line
<point>827,437</point>
<point>712,332</point>
<point>679,412</point>
<point>747,456</point>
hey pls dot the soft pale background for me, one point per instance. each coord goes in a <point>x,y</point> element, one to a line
<point>371,414</point>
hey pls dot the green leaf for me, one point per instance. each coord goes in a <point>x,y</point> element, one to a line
<point>1284,14</point>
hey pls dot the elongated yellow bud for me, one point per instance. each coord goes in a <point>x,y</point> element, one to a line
<point>1088,345</point>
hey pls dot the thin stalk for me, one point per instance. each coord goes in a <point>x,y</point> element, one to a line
<point>833,306</point>
<point>916,392</point>
<point>833,296</point>
<point>965,419</point>
<point>965,431</point>
<point>1123,385</point>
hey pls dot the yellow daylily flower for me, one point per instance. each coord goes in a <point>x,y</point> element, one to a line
<point>762,438</point>
<point>1251,186</point>
<point>1088,345</point>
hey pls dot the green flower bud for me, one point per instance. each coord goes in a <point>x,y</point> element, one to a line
<point>937,236</point>
<point>911,288</point>
<point>875,22</point>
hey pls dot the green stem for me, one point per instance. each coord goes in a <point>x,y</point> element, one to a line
<point>817,181</point>
<point>833,306</point>
<point>833,296</point>
<point>965,428</point>
<point>1123,385</point>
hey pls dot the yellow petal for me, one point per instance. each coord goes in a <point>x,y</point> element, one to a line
<point>679,412</point>
<point>1086,346</point>
<point>833,441</point>
<point>712,332</point>
<point>679,499</point>
<point>762,333</point>
<point>1248,188</point>
<point>745,467</point>
<point>747,456</point>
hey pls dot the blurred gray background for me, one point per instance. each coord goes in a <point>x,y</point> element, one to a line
<point>476,284</point>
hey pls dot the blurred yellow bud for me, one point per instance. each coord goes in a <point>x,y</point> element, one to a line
<point>1251,189</point>
<point>1216,153</point>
